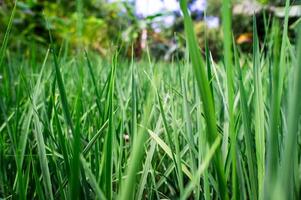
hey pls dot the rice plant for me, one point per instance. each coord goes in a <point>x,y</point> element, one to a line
<point>88,127</point>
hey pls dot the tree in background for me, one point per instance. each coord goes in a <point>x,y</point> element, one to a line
<point>29,25</point>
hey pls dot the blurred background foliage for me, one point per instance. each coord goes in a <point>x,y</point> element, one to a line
<point>97,25</point>
<point>101,25</point>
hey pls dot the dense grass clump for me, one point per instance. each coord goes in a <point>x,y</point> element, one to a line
<point>85,127</point>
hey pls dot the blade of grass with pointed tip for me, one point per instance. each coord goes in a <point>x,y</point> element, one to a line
<point>246,120</point>
<point>148,163</point>
<point>108,163</point>
<point>94,83</point>
<point>273,134</point>
<point>278,74</point>
<point>75,169</point>
<point>188,123</point>
<point>208,64</point>
<point>6,35</point>
<point>205,93</point>
<point>287,174</point>
<point>136,156</point>
<point>189,135</point>
<point>227,30</point>
<point>26,123</point>
<point>62,141</point>
<point>134,99</point>
<point>38,133</point>
<point>259,112</point>
<point>95,138</point>
<point>169,136</point>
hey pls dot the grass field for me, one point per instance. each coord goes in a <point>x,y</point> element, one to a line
<point>86,127</point>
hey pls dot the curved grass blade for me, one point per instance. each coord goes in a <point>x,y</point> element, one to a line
<point>169,152</point>
<point>99,194</point>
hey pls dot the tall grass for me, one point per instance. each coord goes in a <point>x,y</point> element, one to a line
<point>227,27</point>
<point>205,93</point>
<point>87,127</point>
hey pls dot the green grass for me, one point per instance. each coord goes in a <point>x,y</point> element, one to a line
<point>86,127</point>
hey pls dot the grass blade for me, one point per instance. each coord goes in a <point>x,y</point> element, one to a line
<point>246,120</point>
<point>6,35</point>
<point>287,175</point>
<point>278,74</point>
<point>205,93</point>
<point>108,152</point>
<point>226,10</point>
<point>128,186</point>
<point>259,112</point>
